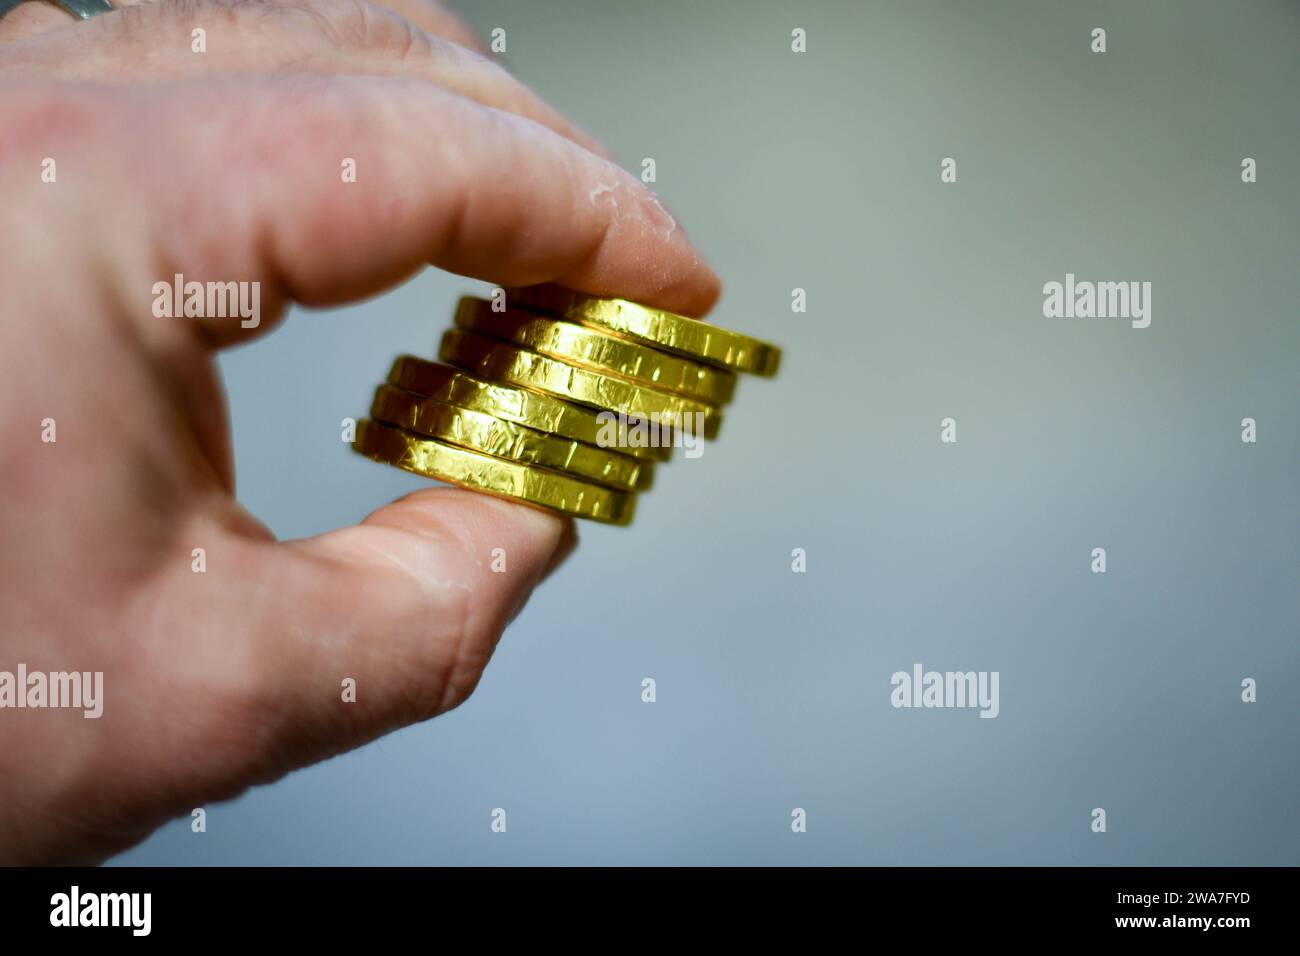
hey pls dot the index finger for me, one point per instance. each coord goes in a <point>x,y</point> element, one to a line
<point>435,178</point>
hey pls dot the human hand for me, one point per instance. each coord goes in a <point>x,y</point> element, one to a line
<point>225,166</point>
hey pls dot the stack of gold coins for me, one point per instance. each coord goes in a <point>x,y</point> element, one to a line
<point>559,399</point>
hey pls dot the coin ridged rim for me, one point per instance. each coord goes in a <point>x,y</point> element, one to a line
<point>513,403</point>
<point>483,431</point>
<point>479,472</point>
<point>693,338</point>
<point>500,360</point>
<point>598,349</point>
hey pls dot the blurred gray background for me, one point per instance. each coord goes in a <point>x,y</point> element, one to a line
<point>821,171</point>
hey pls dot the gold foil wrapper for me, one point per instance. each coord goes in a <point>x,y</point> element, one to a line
<point>561,401</point>
<point>598,350</point>
<point>481,472</point>
<point>692,338</point>
<point>537,410</point>
<point>491,359</point>
<point>484,432</point>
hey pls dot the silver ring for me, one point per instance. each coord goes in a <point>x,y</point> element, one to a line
<point>81,9</point>
<point>84,9</point>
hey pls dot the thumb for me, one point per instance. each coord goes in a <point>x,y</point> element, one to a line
<point>408,606</point>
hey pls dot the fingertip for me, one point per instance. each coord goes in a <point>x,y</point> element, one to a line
<point>701,293</point>
<point>673,274</point>
<point>498,535</point>
<point>409,604</point>
<point>568,544</point>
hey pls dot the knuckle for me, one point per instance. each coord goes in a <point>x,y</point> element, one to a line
<point>348,25</point>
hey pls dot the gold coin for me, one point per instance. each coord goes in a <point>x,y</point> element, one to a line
<point>692,338</point>
<point>598,350</point>
<point>484,432</point>
<point>480,472</point>
<point>501,361</point>
<point>530,409</point>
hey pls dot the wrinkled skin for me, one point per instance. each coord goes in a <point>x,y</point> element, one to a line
<point>225,166</point>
